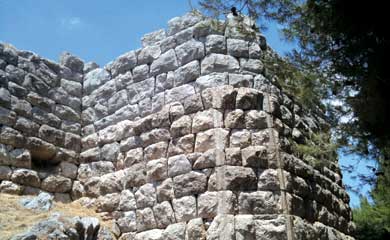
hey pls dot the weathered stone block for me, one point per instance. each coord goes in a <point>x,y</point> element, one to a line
<point>190,184</point>
<point>219,63</point>
<point>185,208</point>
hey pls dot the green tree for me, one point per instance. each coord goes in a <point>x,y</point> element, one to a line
<point>345,45</point>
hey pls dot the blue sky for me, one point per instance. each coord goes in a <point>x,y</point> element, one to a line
<point>99,31</point>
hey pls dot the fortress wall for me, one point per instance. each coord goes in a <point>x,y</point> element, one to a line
<point>186,138</point>
<point>40,112</point>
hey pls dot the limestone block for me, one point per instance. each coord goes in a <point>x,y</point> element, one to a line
<point>117,101</point>
<point>248,99</point>
<point>155,234</point>
<point>245,227</point>
<point>255,51</point>
<point>167,44</point>
<point>187,73</point>
<point>130,143</point>
<point>164,81</point>
<point>189,51</point>
<point>190,184</point>
<point>181,126</point>
<point>165,63</point>
<point>165,190</point>
<point>237,48</point>
<point>148,54</point>
<point>179,23</point>
<point>222,227</point>
<point>155,135</point>
<point>233,156</point>
<point>175,231</point>
<point>145,220</point>
<point>260,202</point>
<point>40,149</point>
<point>26,177</point>
<point>90,155</point>
<point>20,158</point>
<point>145,107</point>
<point>208,159</point>
<point>253,66</point>
<point>261,137</point>
<point>256,119</point>
<point>72,142</point>
<point>184,36</point>
<point>89,141</point>
<point>43,117</point>
<point>240,138</point>
<point>193,104</point>
<point>157,169</point>
<point>127,201</point>
<point>72,62</point>
<point>123,64</point>
<point>40,101</point>
<point>10,188</point>
<point>268,180</point>
<point>274,229</point>
<point>72,87</point>
<point>127,222</point>
<point>56,183</point>
<point>72,127</point>
<point>178,165</point>
<point>185,208</point>
<point>94,169</point>
<point>208,205</point>
<point>140,90</point>
<point>235,119</point>
<point>141,72</point>
<point>94,79</point>
<point>213,138</point>
<point>215,44</point>
<point>111,183</point>
<point>108,203</point>
<point>255,156</point>
<point>155,151</point>
<point>146,196</point>
<point>195,229</point>
<point>206,120</point>
<point>179,93</point>
<point>67,113</point>
<point>211,80</point>
<point>89,66</point>
<point>153,38</point>
<point>21,107</point>
<point>109,152</point>
<point>68,170</point>
<point>219,63</point>
<point>164,214</point>
<point>7,117</point>
<point>135,176</point>
<point>237,178</point>
<point>77,190</point>
<point>240,80</point>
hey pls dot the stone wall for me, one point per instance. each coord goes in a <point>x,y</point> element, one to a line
<point>186,138</point>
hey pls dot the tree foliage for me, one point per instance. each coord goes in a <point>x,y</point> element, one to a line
<point>341,55</point>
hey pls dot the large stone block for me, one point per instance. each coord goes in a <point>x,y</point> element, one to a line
<point>190,184</point>
<point>189,51</point>
<point>219,63</point>
<point>165,63</point>
<point>185,208</point>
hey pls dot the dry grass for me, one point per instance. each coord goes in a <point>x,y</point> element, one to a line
<point>15,219</point>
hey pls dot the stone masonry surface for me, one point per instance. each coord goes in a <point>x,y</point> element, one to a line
<point>185,138</point>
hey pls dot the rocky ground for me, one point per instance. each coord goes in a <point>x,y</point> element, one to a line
<point>23,218</point>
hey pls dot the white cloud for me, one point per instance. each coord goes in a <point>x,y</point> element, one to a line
<point>71,23</point>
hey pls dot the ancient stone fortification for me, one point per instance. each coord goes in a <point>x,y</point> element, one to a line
<point>186,138</point>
